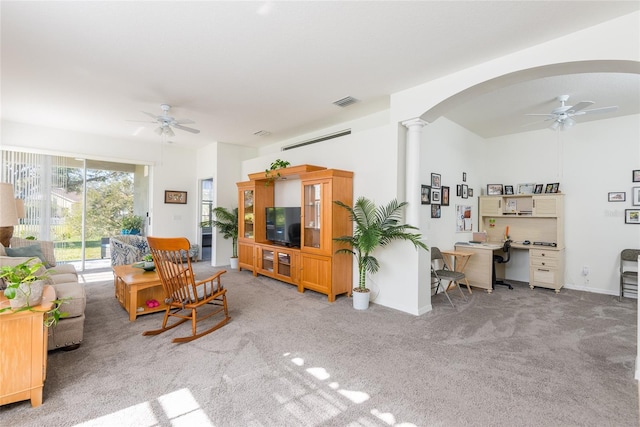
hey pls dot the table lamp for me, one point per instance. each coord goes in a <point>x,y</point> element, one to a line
<point>8,213</point>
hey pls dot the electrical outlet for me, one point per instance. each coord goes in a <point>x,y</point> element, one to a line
<point>585,271</point>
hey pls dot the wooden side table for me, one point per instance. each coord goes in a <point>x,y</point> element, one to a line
<point>134,286</point>
<point>23,359</point>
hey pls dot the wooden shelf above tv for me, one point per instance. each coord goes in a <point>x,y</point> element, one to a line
<point>290,172</point>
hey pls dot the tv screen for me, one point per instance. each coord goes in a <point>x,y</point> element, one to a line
<point>283,225</point>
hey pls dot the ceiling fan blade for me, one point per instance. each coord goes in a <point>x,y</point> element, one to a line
<point>186,128</point>
<point>598,110</point>
<point>153,116</point>
<point>579,106</point>
<point>184,122</point>
<point>535,114</point>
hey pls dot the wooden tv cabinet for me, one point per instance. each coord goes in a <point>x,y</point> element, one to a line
<point>314,265</point>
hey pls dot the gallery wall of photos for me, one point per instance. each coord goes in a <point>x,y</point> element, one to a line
<point>631,216</point>
<point>438,196</point>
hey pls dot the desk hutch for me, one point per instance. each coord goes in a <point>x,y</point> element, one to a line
<point>538,218</point>
<point>314,265</point>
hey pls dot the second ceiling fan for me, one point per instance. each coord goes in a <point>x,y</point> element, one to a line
<point>562,116</point>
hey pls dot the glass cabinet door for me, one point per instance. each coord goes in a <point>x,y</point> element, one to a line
<point>284,264</point>
<point>248,214</point>
<point>312,215</point>
<point>267,260</point>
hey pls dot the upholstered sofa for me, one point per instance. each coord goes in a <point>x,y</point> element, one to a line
<point>69,331</point>
<point>129,248</point>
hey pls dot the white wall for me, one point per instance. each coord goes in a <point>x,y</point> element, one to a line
<point>589,161</point>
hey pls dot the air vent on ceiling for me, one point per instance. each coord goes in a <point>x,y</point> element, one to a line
<point>345,102</point>
<point>262,133</point>
<point>316,140</point>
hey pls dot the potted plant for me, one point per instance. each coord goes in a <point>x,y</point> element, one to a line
<point>374,227</point>
<point>24,288</point>
<point>132,224</point>
<point>272,173</point>
<point>226,221</point>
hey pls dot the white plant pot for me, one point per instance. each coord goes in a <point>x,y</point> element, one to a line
<point>360,299</point>
<point>234,263</point>
<point>33,291</point>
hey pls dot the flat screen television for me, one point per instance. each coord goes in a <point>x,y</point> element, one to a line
<point>283,226</point>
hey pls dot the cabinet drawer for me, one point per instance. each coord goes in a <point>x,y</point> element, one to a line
<point>544,253</point>
<point>544,262</point>
<point>543,276</point>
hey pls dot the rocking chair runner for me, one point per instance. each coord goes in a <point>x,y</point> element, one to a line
<point>185,296</point>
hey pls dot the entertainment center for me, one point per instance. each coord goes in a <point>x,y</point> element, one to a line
<point>272,243</point>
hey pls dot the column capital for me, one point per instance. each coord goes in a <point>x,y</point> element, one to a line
<point>414,122</point>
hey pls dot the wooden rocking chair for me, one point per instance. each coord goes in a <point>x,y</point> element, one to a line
<point>184,295</point>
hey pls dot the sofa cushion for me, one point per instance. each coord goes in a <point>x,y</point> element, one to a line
<point>45,245</point>
<point>76,304</point>
<point>27,251</point>
<point>2,251</point>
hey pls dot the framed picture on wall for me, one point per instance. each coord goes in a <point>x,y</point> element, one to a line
<point>465,191</point>
<point>617,196</point>
<point>436,195</point>
<point>178,197</point>
<point>445,196</point>
<point>435,180</point>
<point>538,189</point>
<point>635,196</point>
<point>425,195</point>
<point>458,190</point>
<point>636,176</point>
<point>508,189</point>
<point>471,192</point>
<point>435,211</point>
<point>632,216</point>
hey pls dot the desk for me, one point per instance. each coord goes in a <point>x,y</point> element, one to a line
<point>546,265</point>
<point>457,261</point>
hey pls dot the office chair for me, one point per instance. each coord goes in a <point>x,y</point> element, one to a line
<point>499,259</point>
<point>629,272</point>
<point>443,273</point>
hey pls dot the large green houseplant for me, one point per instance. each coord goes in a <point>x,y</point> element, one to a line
<point>24,288</point>
<point>374,227</point>
<point>226,221</point>
<point>132,224</point>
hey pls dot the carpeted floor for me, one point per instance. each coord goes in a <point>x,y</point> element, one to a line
<point>514,358</point>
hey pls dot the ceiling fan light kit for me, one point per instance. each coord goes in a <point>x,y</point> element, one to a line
<point>562,116</point>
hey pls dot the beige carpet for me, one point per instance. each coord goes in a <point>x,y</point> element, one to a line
<point>514,358</point>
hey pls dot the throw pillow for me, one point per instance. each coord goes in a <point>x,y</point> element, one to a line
<point>2,252</point>
<point>45,245</point>
<point>27,251</point>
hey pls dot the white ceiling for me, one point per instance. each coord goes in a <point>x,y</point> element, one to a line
<point>237,68</point>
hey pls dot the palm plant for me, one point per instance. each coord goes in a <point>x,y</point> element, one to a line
<point>226,221</point>
<point>374,227</point>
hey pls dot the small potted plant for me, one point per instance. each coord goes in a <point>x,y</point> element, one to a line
<point>272,173</point>
<point>374,227</point>
<point>25,286</point>
<point>226,221</point>
<point>148,262</point>
<point>132,224</point>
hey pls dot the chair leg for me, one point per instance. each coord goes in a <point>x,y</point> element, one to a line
<point>444,291</point>
<point>461,293</point>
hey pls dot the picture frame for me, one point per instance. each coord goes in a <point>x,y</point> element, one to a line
<point>425,194</point>
<point>635,196</point>
<point>494,189</point>
<point>445,196</point>
<point>175,197</point>
<point>436,195</point>
<point>635,176</point>
<point>470,192</point>
<point>632,216</point>
<point>436,180</point>
<point>464,177</point>
<point>435,211</point>
<point>458,190</point>
<point>465,191</point>
<point>538,189</point>
<point>552,188</point>
<point>617,196</point>
<point>527,188</point>
<point>508,189</point>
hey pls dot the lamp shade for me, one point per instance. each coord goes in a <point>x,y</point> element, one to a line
<point>8,212</point>
<point>20,208</point>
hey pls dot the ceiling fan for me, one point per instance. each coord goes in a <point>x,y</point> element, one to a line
<point>166,122</point>
<point>563,115</point>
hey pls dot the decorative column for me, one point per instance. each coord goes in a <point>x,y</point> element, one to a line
<point>412,170</point>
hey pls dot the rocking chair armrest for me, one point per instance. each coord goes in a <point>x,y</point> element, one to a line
<point>211,279</point>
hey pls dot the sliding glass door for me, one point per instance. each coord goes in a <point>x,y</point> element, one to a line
<point>76,203</point>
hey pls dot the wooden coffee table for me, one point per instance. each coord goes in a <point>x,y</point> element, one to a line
<point>134,286</point>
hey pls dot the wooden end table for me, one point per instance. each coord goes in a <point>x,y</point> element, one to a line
<point>23,359</point>
<point>134,286</point>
